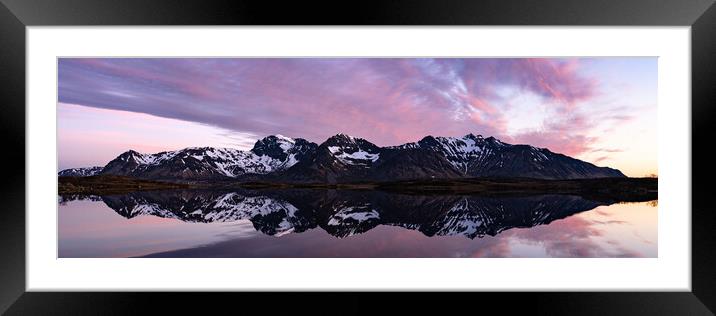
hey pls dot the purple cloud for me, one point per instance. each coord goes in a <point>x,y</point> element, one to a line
<point>386,100</point>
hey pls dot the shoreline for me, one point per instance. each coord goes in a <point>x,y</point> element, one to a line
<point>623,189</point>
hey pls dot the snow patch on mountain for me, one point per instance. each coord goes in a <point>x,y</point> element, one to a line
<point>286,143</point>
<point>351,150</point>
<point>358,157</point>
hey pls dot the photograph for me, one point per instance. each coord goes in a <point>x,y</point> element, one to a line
<point>555,153</point>
<point>357,157</point>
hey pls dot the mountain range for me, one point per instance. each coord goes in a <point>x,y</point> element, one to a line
<point>343,158</point>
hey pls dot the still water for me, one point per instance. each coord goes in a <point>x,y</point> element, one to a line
<point>336,223</point>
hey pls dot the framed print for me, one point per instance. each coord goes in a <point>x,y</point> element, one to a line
<point>558,150</point>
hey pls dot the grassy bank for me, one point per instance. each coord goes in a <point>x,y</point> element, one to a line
<point>622,189</point>
<point>107,184</point>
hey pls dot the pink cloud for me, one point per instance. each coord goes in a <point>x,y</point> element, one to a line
<point>386,100</point>
<point>556,79</point>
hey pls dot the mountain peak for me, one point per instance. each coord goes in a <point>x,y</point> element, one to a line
<point>280,137</point>
<point>274,146</point>
<point>345,140</point>
<point>428,141</point>
<point>351,141</point>
<point>197,149</point>
<point>282,148</point>
<point>494,141</point>
<point>131,155</point>
<point>472,136</point>
<point>342,136</point>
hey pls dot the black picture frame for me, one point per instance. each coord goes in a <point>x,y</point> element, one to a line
<point>16,15</point>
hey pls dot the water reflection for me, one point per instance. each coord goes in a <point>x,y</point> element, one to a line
<point>346,213</point>
<point>382,224</point>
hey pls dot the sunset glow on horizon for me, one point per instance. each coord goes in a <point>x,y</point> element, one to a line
<point>601,110</point>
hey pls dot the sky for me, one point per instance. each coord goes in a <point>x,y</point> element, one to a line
<point>601,110</point>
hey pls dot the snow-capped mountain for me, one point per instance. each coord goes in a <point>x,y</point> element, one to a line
<point>287,150</point>
<point>80,172</point>
<point>475,156</point>
<point>269,155</point>
<point>349,150</point>
<point>459,152</point>
<point>339,158</point>
<point>343,158</point>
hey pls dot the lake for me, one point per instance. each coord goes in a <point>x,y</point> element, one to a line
<point>352,223</point>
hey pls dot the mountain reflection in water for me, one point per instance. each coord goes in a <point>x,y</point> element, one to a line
<point>344,213</point>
